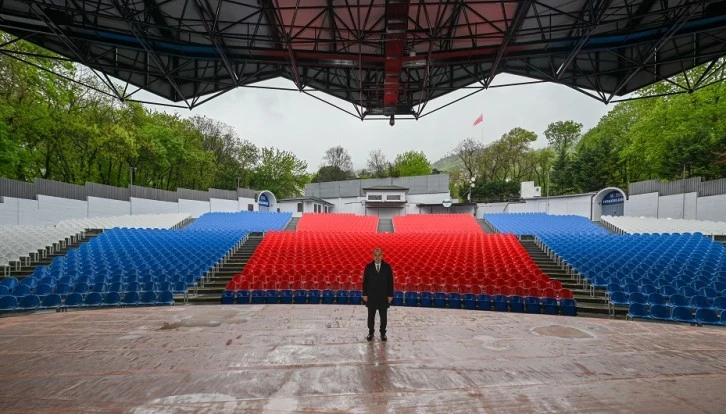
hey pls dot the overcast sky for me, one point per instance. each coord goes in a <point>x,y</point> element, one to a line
<point>307,127</point>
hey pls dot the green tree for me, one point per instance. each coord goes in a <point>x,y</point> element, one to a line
<point>280,172</point>
<point>562,136</point>
<point>411,163</point>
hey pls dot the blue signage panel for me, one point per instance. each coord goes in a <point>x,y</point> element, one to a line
<point>264,200</point>
<point>613,197</point>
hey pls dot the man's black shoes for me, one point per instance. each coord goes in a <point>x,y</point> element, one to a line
<point>384,337</point>
<point>369,337</point>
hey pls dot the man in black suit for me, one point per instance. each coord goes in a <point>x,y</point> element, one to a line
<point>377,292</point>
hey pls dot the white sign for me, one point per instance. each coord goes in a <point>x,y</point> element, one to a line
<point>447,203</point>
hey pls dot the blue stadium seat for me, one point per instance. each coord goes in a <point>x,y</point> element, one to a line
<point>93,299</point>
<point>4,291</point>
<point>516,304</point>
<point>656,299</point>
<point>8,303</point>
<point>470,301</point>
<point>638,298</point>
<point>328,297</point>
<point>165,297</point>
<point>706,317</point>
<point>9,282</point>
<point>397,298</point>
<point>719,303</point>
<point>43,290</point>
<point>500,303</point>
<point>73,300</point>
<point>314,296</point>
<point>569,307</point>
<point>484,302</point>
<point>683,314</point>
<point>300,296</point>
<point>668,290</point>
<point>410,298</point>
<point>271,296</point>
<point>678,300</point>
<point>637,310</point>
<point>21,290</point>
<point>30,282</point>
<point>427,300</point>
<point>699,302</point>
<point>286,296</point>
<point>439,300</point>
<point>660,312</point>
<point>131,299</point>
<point>243,297</point>
<point>356,297</point>
<point>532,304</point>
<point>29,302</point>
<point>111,299</point>
<point>454,300</point>
<point>258,297</point>
<point>51,301</point>
<point>228,297</point>
<point>648,289</point>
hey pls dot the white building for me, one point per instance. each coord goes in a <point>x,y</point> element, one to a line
<point>385,197</point>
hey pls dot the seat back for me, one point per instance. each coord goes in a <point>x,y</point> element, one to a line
<point>93,299</point>
<point>29,302</point>
<point>51,301</point>
<point>112,299</point>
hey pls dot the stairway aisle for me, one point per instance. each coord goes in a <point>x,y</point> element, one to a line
<point>212,290</point>
<point>587,305</point>
<point>385,225</point>
<point>292,224</point>
<point>485,226</point>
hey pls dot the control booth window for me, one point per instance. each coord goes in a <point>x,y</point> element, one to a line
<point>396,197</point>
<point>250,207</point>
<point>299,207</point>
<point>375,197</point>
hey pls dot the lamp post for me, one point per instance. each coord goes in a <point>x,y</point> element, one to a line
<point>132,171</point>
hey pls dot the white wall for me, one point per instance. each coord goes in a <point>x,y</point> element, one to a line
<point>245,202</point>
<point>145,206</point>
<point>712,208</point>
<point>484,208</point>
<point>645,205</point>
<point>578,205</point>
<point>194,207</point>
<point>229,206</point>
<point>672,206</point>
<point>100,207</point>
<point>54,209</point>
<point>287,207</point>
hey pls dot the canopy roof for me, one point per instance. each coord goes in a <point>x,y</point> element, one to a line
<point>381,57</point>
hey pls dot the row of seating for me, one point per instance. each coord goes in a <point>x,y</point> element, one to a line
<point>135,221</point>
<point>243,221</point>
<point>436,223</point>
<point>43,289</point>
<point>337,223</point>
<point>686,264</point>
<point>702,316</point>
<point>469,301</point>
<point>532,224</point>
<point>294,255</point>
<point>695,302</point>
<point>624,224</point>
<point>77,300</point>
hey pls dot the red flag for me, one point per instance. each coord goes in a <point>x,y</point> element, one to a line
<point>479,120</point>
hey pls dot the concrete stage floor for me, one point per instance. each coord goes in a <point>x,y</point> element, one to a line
<point>284,358</point>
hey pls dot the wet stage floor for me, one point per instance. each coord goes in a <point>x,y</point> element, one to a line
<point>286,358</point>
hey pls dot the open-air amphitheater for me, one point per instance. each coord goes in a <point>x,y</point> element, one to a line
<point>142,300</point>
<point>236,292</point>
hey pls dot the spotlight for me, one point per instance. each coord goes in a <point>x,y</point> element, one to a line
<point>392,122</point>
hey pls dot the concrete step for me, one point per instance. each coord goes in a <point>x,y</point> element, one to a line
<point>292,224</point>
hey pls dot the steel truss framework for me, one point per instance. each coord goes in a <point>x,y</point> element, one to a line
<point>383,57</point>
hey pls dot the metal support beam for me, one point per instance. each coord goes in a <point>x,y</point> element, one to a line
<point>204,9</point>
<point>667,36</point>
<point>138,34</point>
<point>600,9</point>
<point>517,21</point>
<point>35,8</point>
